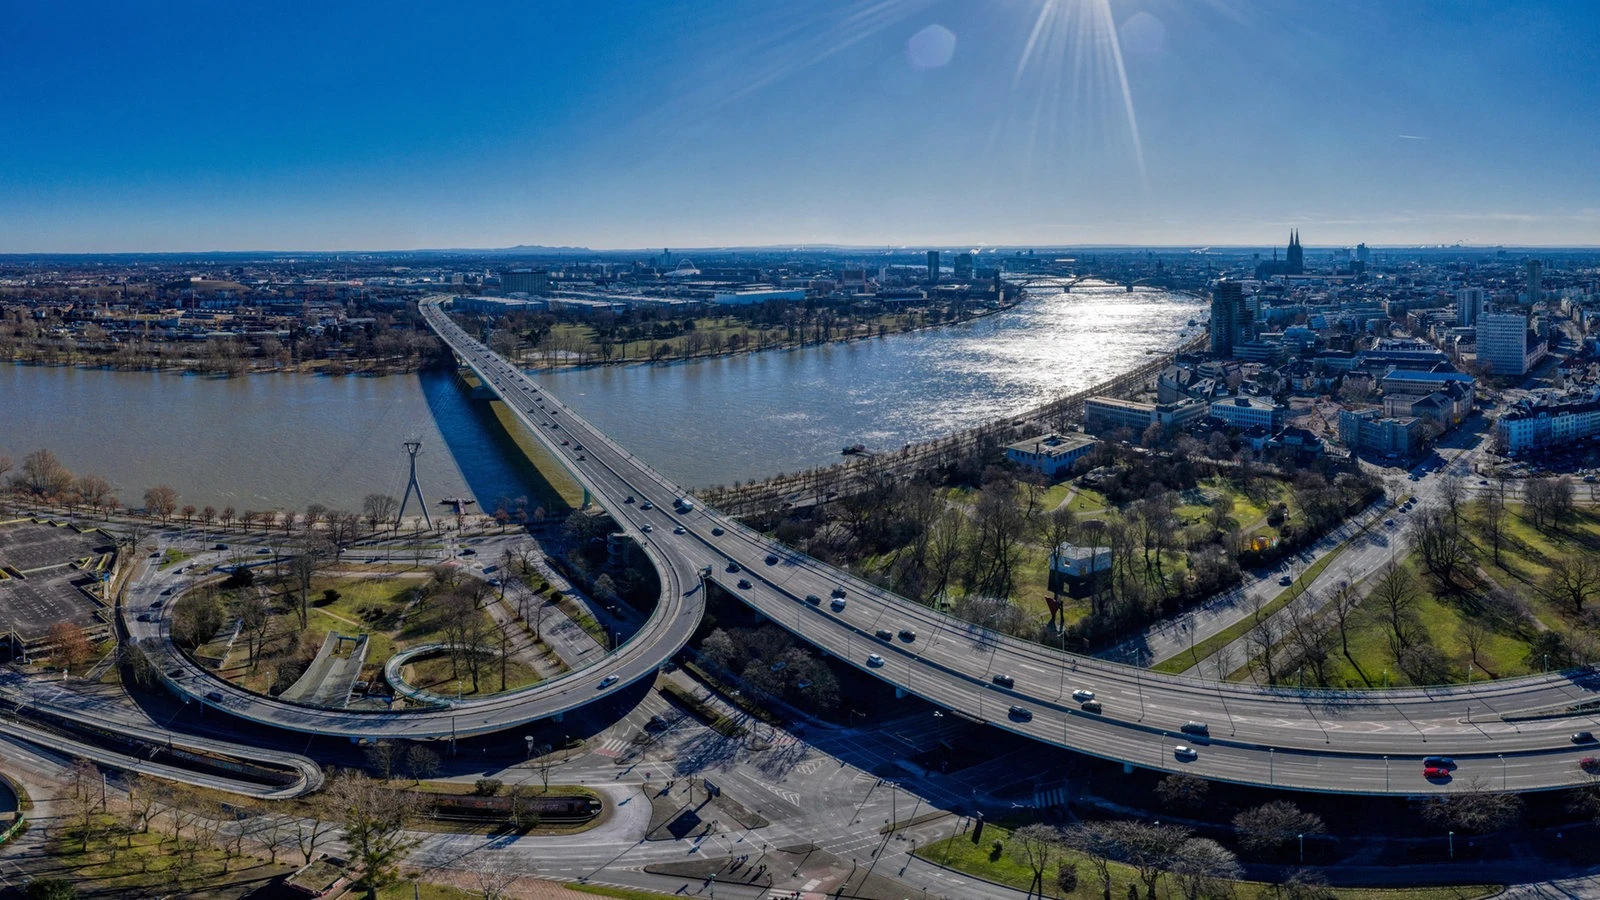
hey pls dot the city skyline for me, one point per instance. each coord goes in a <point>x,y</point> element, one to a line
<point>909,123</point>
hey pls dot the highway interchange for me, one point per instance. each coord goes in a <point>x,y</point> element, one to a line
<point>1351,742</point>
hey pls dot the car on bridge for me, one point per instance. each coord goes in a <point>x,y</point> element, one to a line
<point>1020,714</point>
<point>875,660</point>
<point>1185,753</point>
<point>1590,764</point>
<point>1439,762</point>
<point>1196,728</point>
<point>1092,706</point>
<point>1083,695</point>
<point>885,635</point>
<point>1582,737</point>
<point>1004,681</point>
<point>606,682</point>
<point>647,505</point>
<point>717,532</point>
<point>678,530</point>
<point>744,583</point>
<point>813,599</point>
<point>837,604</point>
<point>907,635</point>
<point>1435,773</point>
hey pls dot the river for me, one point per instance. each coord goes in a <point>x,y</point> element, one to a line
<point>283,441</point>
<point>727,419</point>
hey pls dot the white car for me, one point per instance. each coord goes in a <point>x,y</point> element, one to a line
<point>678,530</point>
<point>1184,751</point>
<point>874,660</point>
<point>1082,696</point>
<point>606,682</point>
<point>647,527</point>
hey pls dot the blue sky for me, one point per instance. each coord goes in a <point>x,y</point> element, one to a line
<point>350,125</point>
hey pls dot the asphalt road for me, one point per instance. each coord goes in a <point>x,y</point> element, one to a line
<point>1359,742</point>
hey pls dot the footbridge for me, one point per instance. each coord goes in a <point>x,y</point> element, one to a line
<point>1346,742</point>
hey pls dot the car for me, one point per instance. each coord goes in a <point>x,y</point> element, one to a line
<point>772,559</point>
<point>647,505</point>
<point>813,599</point>
<point>628,499</point>
<point>582,457</point>
<point>606,682</point>
<point>1435,772</point>
<point>733,566</point>
<point>1590,764</point>
<point>838,591</point>
<point>157,604</point>
<point>1185,753</point>
<point>874,660</point>
<point>1004,681</point>
<point>214,696</point>
<point>167,592</point>
<point>565,442</point>
<point>678,530</point>
<point>1389,522</point>
<point>263,551</point>
<point>1286,580</point>
<point>1439,762</point>
<point>907,635</point>
<point>1083,695</point>
<point>174,673</point>
<point>220,547</point>
<point>744,583</point>
<point>647,528</point>
<point>1582,737</point>
<point>1020,714</point>
<point>1092,706</point>
<point>143,617</point>
<point>1193,727</point>
<point>717,532</point>
<point>469,552</point>
<point>837,604</point>
<point>885,635</point>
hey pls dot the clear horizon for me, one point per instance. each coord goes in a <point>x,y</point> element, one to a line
<point>858,123</point>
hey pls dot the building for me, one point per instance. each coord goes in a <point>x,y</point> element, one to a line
<point>1534,289</point>
<point>1405,381</point>
<point>525,281</point>
<point>1051,455</point>
<point>1363,255</point>
<point>1535,426</point>
<point>963,266</point>
<point>1229,318</point>
<point>1446,407</point>
<point>1371,431</point>
<point>1074,570</point>
<point>933,266</point>
<point>1248,412</point>
<point>1294,262</point>
<point>1104,414</point>
<point>1504,345</point>
<point>1470,304</point>
<point>748,296</point>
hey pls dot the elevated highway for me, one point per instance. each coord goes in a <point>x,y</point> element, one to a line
<point>1350,742</point>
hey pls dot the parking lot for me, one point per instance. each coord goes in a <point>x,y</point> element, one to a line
<point>44,587</point>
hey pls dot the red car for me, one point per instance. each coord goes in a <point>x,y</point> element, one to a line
<point>1590,764</point>
<point>1435,772</point>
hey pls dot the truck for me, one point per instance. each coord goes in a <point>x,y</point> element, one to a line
<point>684,504</point>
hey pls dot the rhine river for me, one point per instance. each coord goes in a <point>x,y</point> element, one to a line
<point>280,441</point>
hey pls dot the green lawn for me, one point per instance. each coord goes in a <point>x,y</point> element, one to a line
<point>959,853</point>
<point>433,674</point>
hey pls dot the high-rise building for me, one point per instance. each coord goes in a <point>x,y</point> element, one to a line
<point>933,266</point>
<point>1503,342</point>
<point>1363,255</point>
<point>1470,303</point>
<point>963,266</point>
<point>1535,270</point>
<point>1229,318</point>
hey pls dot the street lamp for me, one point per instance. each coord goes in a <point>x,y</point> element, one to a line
<point>1502,758</point>
<point>1272,765</point>
<point>1302,838</point>
<point>528,739</point>
<point>1452,845</point>
<point>1386,773</point>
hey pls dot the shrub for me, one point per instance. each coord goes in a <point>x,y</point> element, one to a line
<point>487,787</point>
<point>1067,877</point>
<point>995,849</point>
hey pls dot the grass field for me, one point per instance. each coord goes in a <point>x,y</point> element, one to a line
<point>433,674</point>
<point>959,853</point>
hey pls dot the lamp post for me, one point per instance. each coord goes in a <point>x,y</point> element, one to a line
<point>1386,773</point>
<point>1502,758</point>
<point>1452,845</point>
<point>528,740</point>
<point>1272,765</point>
<point>1302,838</point>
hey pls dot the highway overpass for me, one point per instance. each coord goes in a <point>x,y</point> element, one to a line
<point>1349,742</point>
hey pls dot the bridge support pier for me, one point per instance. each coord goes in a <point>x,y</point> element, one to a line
<point>558,717</point>
<point>899,693</point>
<point>1127,768</point>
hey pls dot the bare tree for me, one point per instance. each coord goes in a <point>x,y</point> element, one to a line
<point>1492,516</point>
<point>1202,866</point>
<point>1395,596</point>
<point>1271,826</point>
<point>378,509</point>
<point>374,819</point>
<point>1097,843</point>
<point>1476,810</point>
<point>1572,579</point>
<point>1038,843</point>
<point>161,501</point>
<point>493,871</point>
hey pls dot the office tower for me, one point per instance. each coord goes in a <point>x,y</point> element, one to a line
<point>1363,255</point>
<point>933,266</point>
<point>1503,342</point>
<point>1535,269</point>
<point>963,266</point>
<point>1469,305</point>
<point>1228,318</point>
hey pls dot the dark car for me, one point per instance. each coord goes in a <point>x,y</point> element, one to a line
<point>220,547</point>
<point>772,559</point>
<point>1004,681</point>
<point>214,696</point>
<point>1020,714</point>
<point>717,532</point>
<point>1582,737</point>
<point>813,599</point>
<point>1199,728</point>
<point>143,617</point>
<point>1092,706</point>
<point>1439,762</point>
<point>907,635</point>
<point>628,499</point>
<point>733,566</point>
<point>174,673</point>
<point>885,634</point>
<point>1590,764</point>
<point>744,583</point>
<point>838,592</point>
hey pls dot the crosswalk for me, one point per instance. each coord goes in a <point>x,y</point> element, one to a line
<point>1044,798</point>
<point>612,748</point>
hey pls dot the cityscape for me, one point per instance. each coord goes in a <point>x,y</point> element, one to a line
<point>1179,530</point>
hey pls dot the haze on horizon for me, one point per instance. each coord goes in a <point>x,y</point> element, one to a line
<point>196,126</point>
